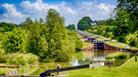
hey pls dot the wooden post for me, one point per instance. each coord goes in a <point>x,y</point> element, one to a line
<point>110,65</point>
<point>135,58</point>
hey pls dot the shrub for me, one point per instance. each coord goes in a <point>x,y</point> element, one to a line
<point>14,41</point>
<point>118,55</point>
<point>2,56</point>
<point>21,59</point>
<point>132,39</point>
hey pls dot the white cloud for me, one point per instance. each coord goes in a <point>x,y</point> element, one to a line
<point>72,14</point>
<point>39,9</point>
<point>94,10</point>
<point>106,8</point>
<point>11,14</point>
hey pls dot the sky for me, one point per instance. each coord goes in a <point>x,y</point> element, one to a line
<point>16,11</point>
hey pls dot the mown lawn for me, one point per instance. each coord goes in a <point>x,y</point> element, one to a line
<point>128,69</point>
<point>86,44</point>
<point>116,44</point>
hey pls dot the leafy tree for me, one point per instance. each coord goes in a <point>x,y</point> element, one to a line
<point>130,6</point>
<point>59,47</point>
<point>121,28</point>
<point>71,26</point>
<point>36,42</point>
<point>15,40</point>
<point>27,23</point>
<point>5,27</point>
<point>105,22</point>
<point>2,56</point>
<point>132,39</point>
<point>84,23</point>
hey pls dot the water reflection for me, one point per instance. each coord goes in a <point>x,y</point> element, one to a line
<point>75,62</point>
<point>89,56</point>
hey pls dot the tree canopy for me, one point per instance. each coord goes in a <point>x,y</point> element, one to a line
<point>71,27</point>
<point>48,39</point>
<point>84,23</point>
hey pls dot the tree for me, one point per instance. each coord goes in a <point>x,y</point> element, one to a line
<point>15,40</point>
<point>132,39</point>
<point>84,23</point>
<point>27,23</point>
<point>2,56</point>
<point>5,27</point>
<point>59,47</point>
<point>130,6</point>
<point>36,42</point>
<point>105,22</point>
<point>71,27</point>
<point>121,23</point>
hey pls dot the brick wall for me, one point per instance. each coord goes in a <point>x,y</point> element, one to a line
<point>109,47</point>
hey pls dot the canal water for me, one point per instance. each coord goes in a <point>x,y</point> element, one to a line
<point>89,56</point>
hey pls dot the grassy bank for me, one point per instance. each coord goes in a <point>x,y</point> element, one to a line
<point>128,69</point>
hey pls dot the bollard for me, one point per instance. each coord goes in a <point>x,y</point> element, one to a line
<point>135,58</point>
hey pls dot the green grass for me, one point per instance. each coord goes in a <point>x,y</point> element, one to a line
<point>102,38</point>
<point>119,55</point>
<point>78,55</point>
<point>128,69</point>
<point>86,44</point>
<point>5,70</point>
<point>116,44</point>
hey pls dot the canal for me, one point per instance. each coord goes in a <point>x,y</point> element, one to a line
<point>89,56</point>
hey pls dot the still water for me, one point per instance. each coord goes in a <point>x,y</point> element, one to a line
<point>89,56</point>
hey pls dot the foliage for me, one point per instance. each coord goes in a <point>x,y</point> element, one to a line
<point>118,55</point>
<point>15,41</point>
<point>21,59</point>
<point>2,56</point>
<point>132,39</point>
<point>125,19</point>
<point>104,30</point>
<point>121,28</point>
<point>84,23</point>
<point>73,36</point>
<point>106,21</point>
<point>5,27</point>
<point>71,27</point>
<point>27,23</point>
<point>130,6</point>
<point>123,25</point>
<point>36,42</point>
<point>59,47</point>
<point>48,40</point>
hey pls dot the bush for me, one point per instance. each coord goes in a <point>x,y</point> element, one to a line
<point>2,56</point>
<point>132,39</point>
<point>21,59</point>
<point>14,41</point>
<point>118,55</point>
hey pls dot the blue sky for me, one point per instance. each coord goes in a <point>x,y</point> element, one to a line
<point>16,11</point>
